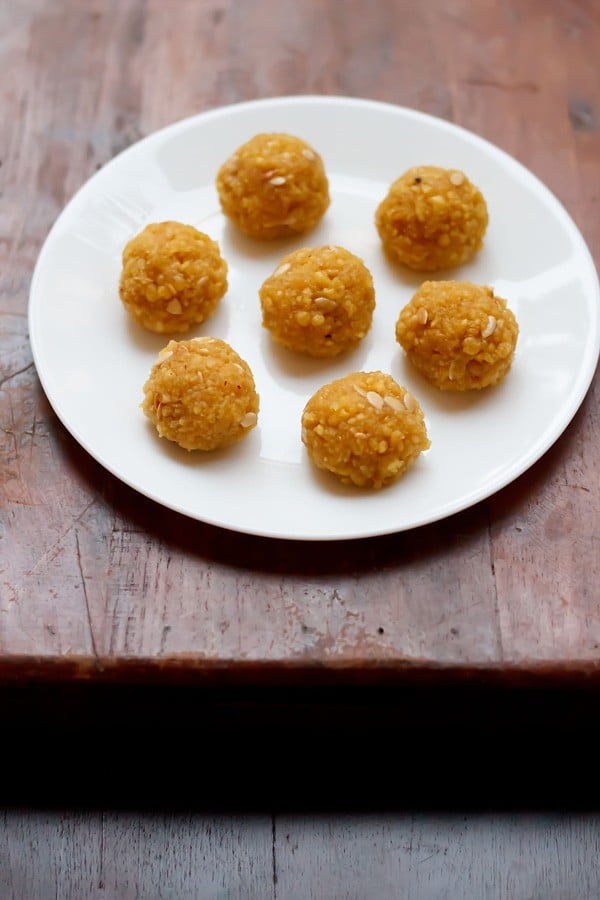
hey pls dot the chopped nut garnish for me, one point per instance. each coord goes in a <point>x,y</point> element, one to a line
<point>279,179</point>
<point>422,315</point>
<point>489,328</point>
<point>393,402</point>
<point>410,402</point>
<point>457,178</point>
<point>308,154</point>
<point>249,419</point>
<point>281,270</point>
<point>375,399</point>
<point>174,307</point>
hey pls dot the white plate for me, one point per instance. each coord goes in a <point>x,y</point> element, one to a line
<point>92,361</point>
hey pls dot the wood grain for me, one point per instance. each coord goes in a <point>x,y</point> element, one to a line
<point>103,855</point>
<point>73,855</point>
<point>99,583</point>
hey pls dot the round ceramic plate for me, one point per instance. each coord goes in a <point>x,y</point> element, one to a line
<point>92,360</point>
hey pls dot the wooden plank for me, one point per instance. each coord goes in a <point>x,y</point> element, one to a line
<point>127,855</point>
<point>95,580</point>
<point>74,855</point>
<point>441,856</point>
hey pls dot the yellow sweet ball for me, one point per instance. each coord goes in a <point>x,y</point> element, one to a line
<point>172,277</point>
<point>318,301</point>
<point>201,394</point>
<point>364,428</point>
<point>432,218</point>
<point>273,186</point>
<point>459,335</point>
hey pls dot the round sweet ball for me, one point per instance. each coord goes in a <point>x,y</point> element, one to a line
<point>432,218</point>
<point>201,394</point>
<point>318,301</point>
<point>274,186</point>
<point>364,428</point>
<point>173,277</point>
<point>459,335</point>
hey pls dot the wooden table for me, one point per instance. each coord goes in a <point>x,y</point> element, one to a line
<point>100,588</point>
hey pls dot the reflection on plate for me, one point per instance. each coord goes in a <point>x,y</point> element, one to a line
<point>92,361</point>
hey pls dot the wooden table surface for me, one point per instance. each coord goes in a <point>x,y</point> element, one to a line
<point>100,586</point>
<point>100,583</point>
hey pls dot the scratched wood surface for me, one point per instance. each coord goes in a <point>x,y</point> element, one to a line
<point>419,857</point>
<point>97,582</point>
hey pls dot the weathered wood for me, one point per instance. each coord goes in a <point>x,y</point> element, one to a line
<point>439,856</point>
<point>73,855</point>
<point>76,855</point>
<point>97,582</point>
